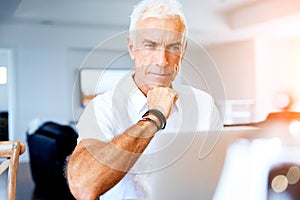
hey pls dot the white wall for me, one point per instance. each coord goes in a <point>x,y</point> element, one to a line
<point>277,70</point>
<point>235,61</point>
<point>259,69</point>
<point>3,97</point>
<point>44,76</point>
<point>4,62</point>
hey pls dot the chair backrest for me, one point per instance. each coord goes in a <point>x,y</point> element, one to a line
<point>48,148</point>
<point>11,150</point>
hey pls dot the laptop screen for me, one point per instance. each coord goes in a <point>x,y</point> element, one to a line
<point>184,165</point>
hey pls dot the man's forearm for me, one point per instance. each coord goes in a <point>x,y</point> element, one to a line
<point>95,167</point>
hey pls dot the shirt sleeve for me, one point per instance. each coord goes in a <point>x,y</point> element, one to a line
<point>96,121</point>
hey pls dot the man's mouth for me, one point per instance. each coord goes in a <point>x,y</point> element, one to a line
<point>160,74</point>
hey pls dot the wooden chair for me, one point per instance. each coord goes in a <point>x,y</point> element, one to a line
<point>11,150</point>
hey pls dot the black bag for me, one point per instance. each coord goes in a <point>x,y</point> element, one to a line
<point>4,126</point>
<point>49,147</point>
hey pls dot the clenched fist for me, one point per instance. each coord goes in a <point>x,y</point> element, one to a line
<point>162,99</point>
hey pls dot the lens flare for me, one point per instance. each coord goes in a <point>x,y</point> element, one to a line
<point>294,127</point>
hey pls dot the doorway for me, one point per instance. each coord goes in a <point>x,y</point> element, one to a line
<point>7,93</point>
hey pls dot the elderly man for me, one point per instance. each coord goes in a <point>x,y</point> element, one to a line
<point>142,101</point>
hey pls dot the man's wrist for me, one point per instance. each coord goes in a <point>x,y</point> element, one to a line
<point>152,121</point>
<point>157,117</point>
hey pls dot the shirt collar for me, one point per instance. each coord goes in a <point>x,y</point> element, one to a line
<point>137,98</point>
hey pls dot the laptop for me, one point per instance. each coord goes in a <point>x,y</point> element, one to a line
<point>185,165</point>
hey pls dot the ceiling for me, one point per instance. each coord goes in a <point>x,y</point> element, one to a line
<point>209,21</point>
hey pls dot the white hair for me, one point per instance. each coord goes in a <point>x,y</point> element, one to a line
<point>157,9</point>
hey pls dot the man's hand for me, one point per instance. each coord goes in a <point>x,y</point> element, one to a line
<point>162,99</point>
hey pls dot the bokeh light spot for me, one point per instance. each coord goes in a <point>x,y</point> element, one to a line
<point>293,175</point>
<point>279,183</point>
<point>294,127</point>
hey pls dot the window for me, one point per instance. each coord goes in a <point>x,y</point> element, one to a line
<point>3,75</point>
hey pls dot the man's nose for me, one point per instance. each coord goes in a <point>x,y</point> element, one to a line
<point>161,57</point>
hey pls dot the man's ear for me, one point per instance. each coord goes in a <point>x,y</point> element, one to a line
<point>130,47</point>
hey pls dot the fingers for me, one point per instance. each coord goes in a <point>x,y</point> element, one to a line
<point>163,92</point>
<point>162,98</point>
<point>173,94</point>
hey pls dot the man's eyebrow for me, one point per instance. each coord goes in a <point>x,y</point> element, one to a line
<point>154,42</point>
<point>175,43</point>
<point>149,41</point>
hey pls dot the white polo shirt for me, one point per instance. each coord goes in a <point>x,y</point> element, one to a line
<point>110,114</point>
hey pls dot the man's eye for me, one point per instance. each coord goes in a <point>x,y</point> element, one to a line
<point>149,45</point>
<point>174,48</point>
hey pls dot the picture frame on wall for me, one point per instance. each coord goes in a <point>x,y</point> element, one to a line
<point>95,82</point>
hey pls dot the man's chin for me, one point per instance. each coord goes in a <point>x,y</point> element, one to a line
<point>153,85</point>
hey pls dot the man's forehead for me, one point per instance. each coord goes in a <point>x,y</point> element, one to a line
<point>158,35</point>
<point>172,23</point>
